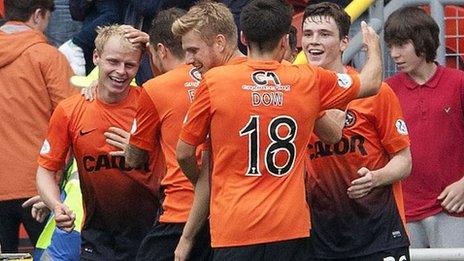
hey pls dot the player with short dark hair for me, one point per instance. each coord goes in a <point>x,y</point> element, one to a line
<point>257,194</point>
<point>161,110</point>
<point>354,190</point>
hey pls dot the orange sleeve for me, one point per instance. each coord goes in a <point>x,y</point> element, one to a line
<point>57,74</point>
<point>55,148</point>
<point>389,121</point>
<point>147,122</point>
<point>197,121</point>
<point>336,89</point>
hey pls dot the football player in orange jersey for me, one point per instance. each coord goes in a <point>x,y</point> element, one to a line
<point>354,184</point>
<point>269,108</point>
<point>119,201</point>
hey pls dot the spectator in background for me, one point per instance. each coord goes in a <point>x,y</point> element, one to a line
<point>292,50</point>
<point>140,14</point>
<point>235,7</point>
<point>432,97</point>
<point>61,26</point>
<point>34,77</point>
<point>79,49</point>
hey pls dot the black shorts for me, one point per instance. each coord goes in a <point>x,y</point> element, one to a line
<point>162,240</point>
<point>99,245</point>
<point>295,249</point>
<point>396,254</point>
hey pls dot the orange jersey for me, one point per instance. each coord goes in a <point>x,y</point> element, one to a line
<point>260,115</point>
<point>374,130</point>
<point>161,110</point>
<point>116,197</point>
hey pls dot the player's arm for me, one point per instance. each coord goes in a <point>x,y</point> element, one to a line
<point>329,126</point>
<point>135,156</point>
<point>187,160</point>
<point>371,74</point>
<point>194,131</point>
<point>198,213</point>
<point>143,133</point>
<point>398,168</point>
<point>49,192</point>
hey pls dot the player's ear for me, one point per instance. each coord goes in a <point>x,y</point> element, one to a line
<point>344,43</point>
<point>220,42</point>
<point>161,50</point>
<point>284,42</point>
<point>95,57</point>
<point>243,38</point>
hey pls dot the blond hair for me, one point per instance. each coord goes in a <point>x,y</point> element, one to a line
<point>208,19</point>
<point>104,33</point>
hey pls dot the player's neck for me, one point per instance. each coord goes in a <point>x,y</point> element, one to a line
<point>106,96</point>
<point>230,54</point>
<point>337,67</point>
<point>423,73</point>
<point>264,56</point>
<point>172,64</point>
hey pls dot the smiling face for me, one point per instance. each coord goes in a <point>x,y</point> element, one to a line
<point>321,42</point>
<point>118,65</point>
<point>198,53</point>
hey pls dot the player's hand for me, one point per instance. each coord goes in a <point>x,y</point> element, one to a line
<point>118,138</point>
<point>371,40</point>
<point>183,249</point>
<point>39,210</point>
<point>360,187</point>
<point>338,116</point>
<point>452,197</point>
<point>135,36</point>
<point>64,217</point>
<point>90,93</point>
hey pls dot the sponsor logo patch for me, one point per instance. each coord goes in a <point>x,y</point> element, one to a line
<point>401,127</point>
<point>344,80</point>
<point>45,147</point>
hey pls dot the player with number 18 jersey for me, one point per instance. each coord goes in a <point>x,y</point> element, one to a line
<point>260,115</point>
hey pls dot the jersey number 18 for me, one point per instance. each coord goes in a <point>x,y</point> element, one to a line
<point>278,143</point>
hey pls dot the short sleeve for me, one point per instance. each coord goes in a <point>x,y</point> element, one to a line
<point>198,118</point>
<point>337,89</point>
<point>55,148</point>
<point>146,123</point>
<point>389,121</point>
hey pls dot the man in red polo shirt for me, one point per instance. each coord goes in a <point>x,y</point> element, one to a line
<point>432,98</point>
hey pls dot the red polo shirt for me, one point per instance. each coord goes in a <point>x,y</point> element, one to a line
<point>435,118</point>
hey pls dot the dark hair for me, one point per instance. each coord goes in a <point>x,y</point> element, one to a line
<point>292,37</point>
<point>22,10</point>
<point>341,17</point>
<point>160,31</point>
<point>412,23</point>
<point>264,22</point>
